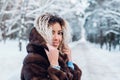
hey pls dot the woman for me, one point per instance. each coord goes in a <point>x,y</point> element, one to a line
<point>49,57</point>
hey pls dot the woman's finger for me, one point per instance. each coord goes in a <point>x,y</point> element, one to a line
<point>46,51</point>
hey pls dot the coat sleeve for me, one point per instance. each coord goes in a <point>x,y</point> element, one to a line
<point>33,72</point>
<point>34,68</point>
<point>76,72</point>
<point>57,74</point>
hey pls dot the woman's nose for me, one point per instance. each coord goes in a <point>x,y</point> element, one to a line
<point>55,36</point>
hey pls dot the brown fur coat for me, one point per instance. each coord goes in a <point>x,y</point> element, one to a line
<point>37,67</point>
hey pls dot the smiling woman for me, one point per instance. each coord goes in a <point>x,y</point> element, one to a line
<point>49,56</point>
<point>57,35</point>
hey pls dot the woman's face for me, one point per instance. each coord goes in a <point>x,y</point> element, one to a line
<point>57,35</point>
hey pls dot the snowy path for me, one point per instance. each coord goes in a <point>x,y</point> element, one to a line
<point>95,63</point>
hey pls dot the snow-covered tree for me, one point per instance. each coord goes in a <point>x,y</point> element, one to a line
<point>102,22</point>
<point>18,15</point>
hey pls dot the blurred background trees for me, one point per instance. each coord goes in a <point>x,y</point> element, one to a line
<point>97,21</point>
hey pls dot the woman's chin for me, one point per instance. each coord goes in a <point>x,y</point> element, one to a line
<point>55,46</point>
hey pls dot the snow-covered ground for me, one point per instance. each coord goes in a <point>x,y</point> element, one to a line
<point>96,64</point>
<point>11,60</point>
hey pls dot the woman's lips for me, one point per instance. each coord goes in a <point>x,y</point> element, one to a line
<point>55,43</point>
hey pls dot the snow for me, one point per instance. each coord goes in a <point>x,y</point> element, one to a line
<point>96,64</point>
<point>111,31</point>
<point>11,60</point>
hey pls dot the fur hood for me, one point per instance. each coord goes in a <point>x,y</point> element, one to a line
<point>44,28</point>
<point>36,40</point>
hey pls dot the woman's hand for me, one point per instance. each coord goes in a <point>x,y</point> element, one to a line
<point>53,55</point>
<point>67,50</point>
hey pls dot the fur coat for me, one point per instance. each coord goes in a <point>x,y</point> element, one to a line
<point>37,67</point>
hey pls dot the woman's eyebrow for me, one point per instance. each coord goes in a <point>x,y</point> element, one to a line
<point>60,30</point>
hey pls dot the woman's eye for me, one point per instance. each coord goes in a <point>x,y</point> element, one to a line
<point>60,33</point>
